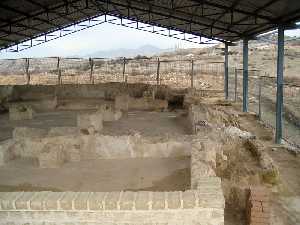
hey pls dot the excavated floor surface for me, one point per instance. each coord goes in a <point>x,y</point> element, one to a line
<point>166,174</point>
<point>155,174</point>
<point>145,123</point>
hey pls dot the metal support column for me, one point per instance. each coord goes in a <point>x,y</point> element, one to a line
<point>91,62</point>
<point>226,71</point>
<point>192,74</point>
<point>157,72</point>
<point>279,95</point>
<point>27,71</point>
<point>259,97</point>
<point>235,83</point>
<point>124,67</point>
<point>59,71</point>
<point>245,75</point>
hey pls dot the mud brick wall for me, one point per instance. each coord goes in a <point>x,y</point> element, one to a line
<point>201,207</point>
<point>258,206</point>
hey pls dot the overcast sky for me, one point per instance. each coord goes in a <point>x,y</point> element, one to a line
<point>102,37</point>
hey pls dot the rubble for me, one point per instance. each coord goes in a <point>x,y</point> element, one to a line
<point>236,132</point>
<point>20,112</point>
<point>90,123</point>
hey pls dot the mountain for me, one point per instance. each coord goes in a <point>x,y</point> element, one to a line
<point>145,50</point>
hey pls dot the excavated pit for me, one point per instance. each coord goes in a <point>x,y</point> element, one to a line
<point>124,141</point>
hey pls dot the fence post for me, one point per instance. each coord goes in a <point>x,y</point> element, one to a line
<point>157,72</point>
<point>259,97</point>
<point>124,66</point>
<point>235,83</point>
<point>27,70</point>
<point>59,71</point>
<point>91,61</point>
<point>192,74</point>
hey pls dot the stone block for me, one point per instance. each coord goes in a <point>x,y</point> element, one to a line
<point>21,133</point>
<point>84,207</point>
<point>51,156</point>
<point>189,199</point>
<point>121,102</point>
<point>81,200</point>
<point>38,200</point>
<point>210,200</point>
<point>142,201</point>
<point>127,200</point>
<point>23,202</point>
<point>174,200</point>
<point>20,112</point>
<point>109,113</point>
<point>66,202</point>
<point>7,199</point>
<point>112,200</point>
<point>96,200</point>
<point>52,200</point>
<point>5,151</point>
<point>90,123</point>
<point>158,200</point>
<point>62,131</point>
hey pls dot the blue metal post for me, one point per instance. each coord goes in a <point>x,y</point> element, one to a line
<point>279,95</point>
<point>245,75</point>
<point>226,71</point>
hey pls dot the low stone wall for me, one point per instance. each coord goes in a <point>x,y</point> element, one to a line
<point>125,103</point>
<point>204,206</point>
<point>70,144</point>
<point>20,112</point>
<point>105,90</point>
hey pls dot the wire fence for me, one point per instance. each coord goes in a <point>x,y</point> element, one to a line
<point>55,70</point>
<point>262,100</point>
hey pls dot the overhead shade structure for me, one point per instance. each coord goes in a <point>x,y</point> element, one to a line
<point>225,21</point>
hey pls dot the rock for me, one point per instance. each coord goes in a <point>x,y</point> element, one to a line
<point>62,131</point>
<point>90,123</point>
<point>20,112</point>
<point>236,132</point>
<point>5,151</point>
<point>51,156</point>
<point>109,113</point>
<point>270,172</point>
<point>21,133</point>
<point>121,102</point>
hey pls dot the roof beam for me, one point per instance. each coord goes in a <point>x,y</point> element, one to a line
<point>234,4</point>
<point>216,5</point>
<point>269,3</point>
<point>45,8</point>
<point>173,16</point>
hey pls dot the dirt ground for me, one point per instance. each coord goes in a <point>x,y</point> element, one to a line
<point>168,174</point>
<point>146,123</point>
<point>101,175</point>
<point>153,174</point>
<point>285,200</point>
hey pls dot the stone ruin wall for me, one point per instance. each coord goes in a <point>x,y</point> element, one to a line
<point>202,205</point>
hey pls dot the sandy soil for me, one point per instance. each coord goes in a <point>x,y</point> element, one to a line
<point>145,123</point>
<point>149,124</point>
<point>167,174</point>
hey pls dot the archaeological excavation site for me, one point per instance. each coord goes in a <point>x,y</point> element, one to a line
<point>195,136</point>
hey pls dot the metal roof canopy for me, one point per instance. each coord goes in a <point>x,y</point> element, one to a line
<point>226,21</point>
